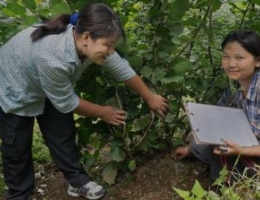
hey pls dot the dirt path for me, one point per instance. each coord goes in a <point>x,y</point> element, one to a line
<point>154,180</point>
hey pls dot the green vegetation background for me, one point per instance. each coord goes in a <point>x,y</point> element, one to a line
<point>173,44</point>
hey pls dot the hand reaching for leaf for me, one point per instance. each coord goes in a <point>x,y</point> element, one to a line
<point>158,104</point>
<point>113,116</point>
<point>181,152</point>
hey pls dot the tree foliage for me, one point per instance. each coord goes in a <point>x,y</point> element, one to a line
<point>175,47</point>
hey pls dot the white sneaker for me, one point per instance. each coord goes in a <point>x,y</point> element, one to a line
<point>91,191</point>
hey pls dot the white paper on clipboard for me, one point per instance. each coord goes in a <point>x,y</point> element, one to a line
<point>211,123</point>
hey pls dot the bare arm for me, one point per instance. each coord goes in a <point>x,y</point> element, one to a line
<point>251,151</point>
<point>106,113</point>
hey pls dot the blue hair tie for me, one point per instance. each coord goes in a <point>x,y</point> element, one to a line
<point>74,19</point>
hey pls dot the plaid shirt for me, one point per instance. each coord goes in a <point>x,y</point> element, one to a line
<point>250,104</point>
<point>30,72</point>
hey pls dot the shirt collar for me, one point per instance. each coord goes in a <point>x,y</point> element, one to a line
<point>70,47</point>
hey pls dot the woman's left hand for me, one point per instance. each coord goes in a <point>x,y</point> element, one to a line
<point>159,104</point>
<point>232,148</point>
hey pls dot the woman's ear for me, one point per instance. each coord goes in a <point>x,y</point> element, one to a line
<point>85,38</point>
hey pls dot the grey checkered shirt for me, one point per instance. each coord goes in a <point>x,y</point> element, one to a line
<point>48,68</point>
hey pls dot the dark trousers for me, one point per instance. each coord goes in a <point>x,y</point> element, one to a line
<point>236,165</point>
<point>58,130</point>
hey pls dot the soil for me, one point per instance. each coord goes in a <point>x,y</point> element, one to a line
<point>153,180</point>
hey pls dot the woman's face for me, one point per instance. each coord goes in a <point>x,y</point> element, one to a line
<point>238,63</point>
<point>98,50</point>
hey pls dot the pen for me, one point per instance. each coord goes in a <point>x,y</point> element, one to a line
<point>224,147</point>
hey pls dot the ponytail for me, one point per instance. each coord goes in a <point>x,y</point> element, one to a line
<point>49,27</point>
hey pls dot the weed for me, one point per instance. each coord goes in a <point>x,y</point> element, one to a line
<point>243,186</point>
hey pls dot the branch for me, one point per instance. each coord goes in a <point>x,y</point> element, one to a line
<point>144,135</point>
<point>244,15</point>
<point>195,33</point>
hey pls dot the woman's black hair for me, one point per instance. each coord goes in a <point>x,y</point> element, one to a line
<point>249,40</point>
<point>98,19</point>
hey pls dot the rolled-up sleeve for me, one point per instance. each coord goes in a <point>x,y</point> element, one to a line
<point>118,67</point>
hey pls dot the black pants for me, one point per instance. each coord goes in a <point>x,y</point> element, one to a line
<point>58,130</point>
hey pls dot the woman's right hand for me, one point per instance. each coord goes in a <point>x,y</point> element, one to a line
<point>113,116</point>
<point>181,152</point>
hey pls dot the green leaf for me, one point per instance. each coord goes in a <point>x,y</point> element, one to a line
<point>29,20</point>
<point>172,79</point>
<point>30,4</point>
<point>182,193</point>
<point>113,101</point>
<point>256,2</point>
<point>213,195</point>
<point>147,71</point>
<point>178,9</point>
<point>117,154</point>
<point>61,8</point>
<point>89,159</point>
<point>182,66</point>
<point>158,75</point>
<point>110,172</point>
<point>222,177</point>
<point>170,118</point>
<point>53,2</point>
<point>117,142</point>
<point>144,146</point>
<point>80,3</point>
<point>143,48</point>
<point>163,55</point>
<point>136,61</point>
<point>14,9</point>
<point>198,191</point>
<point>141,123</point>
<point>132,165</point>
<point>216,5</point>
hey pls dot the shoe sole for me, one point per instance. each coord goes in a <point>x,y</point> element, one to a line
<point>72,194</point>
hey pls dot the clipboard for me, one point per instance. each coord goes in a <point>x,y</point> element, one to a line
<point>210,124</point>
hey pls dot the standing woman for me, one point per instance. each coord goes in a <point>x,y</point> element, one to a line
<point>241,63</point>
<point>38,68</point>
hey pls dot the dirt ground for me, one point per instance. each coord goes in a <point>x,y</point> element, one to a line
<point>153,180</point>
